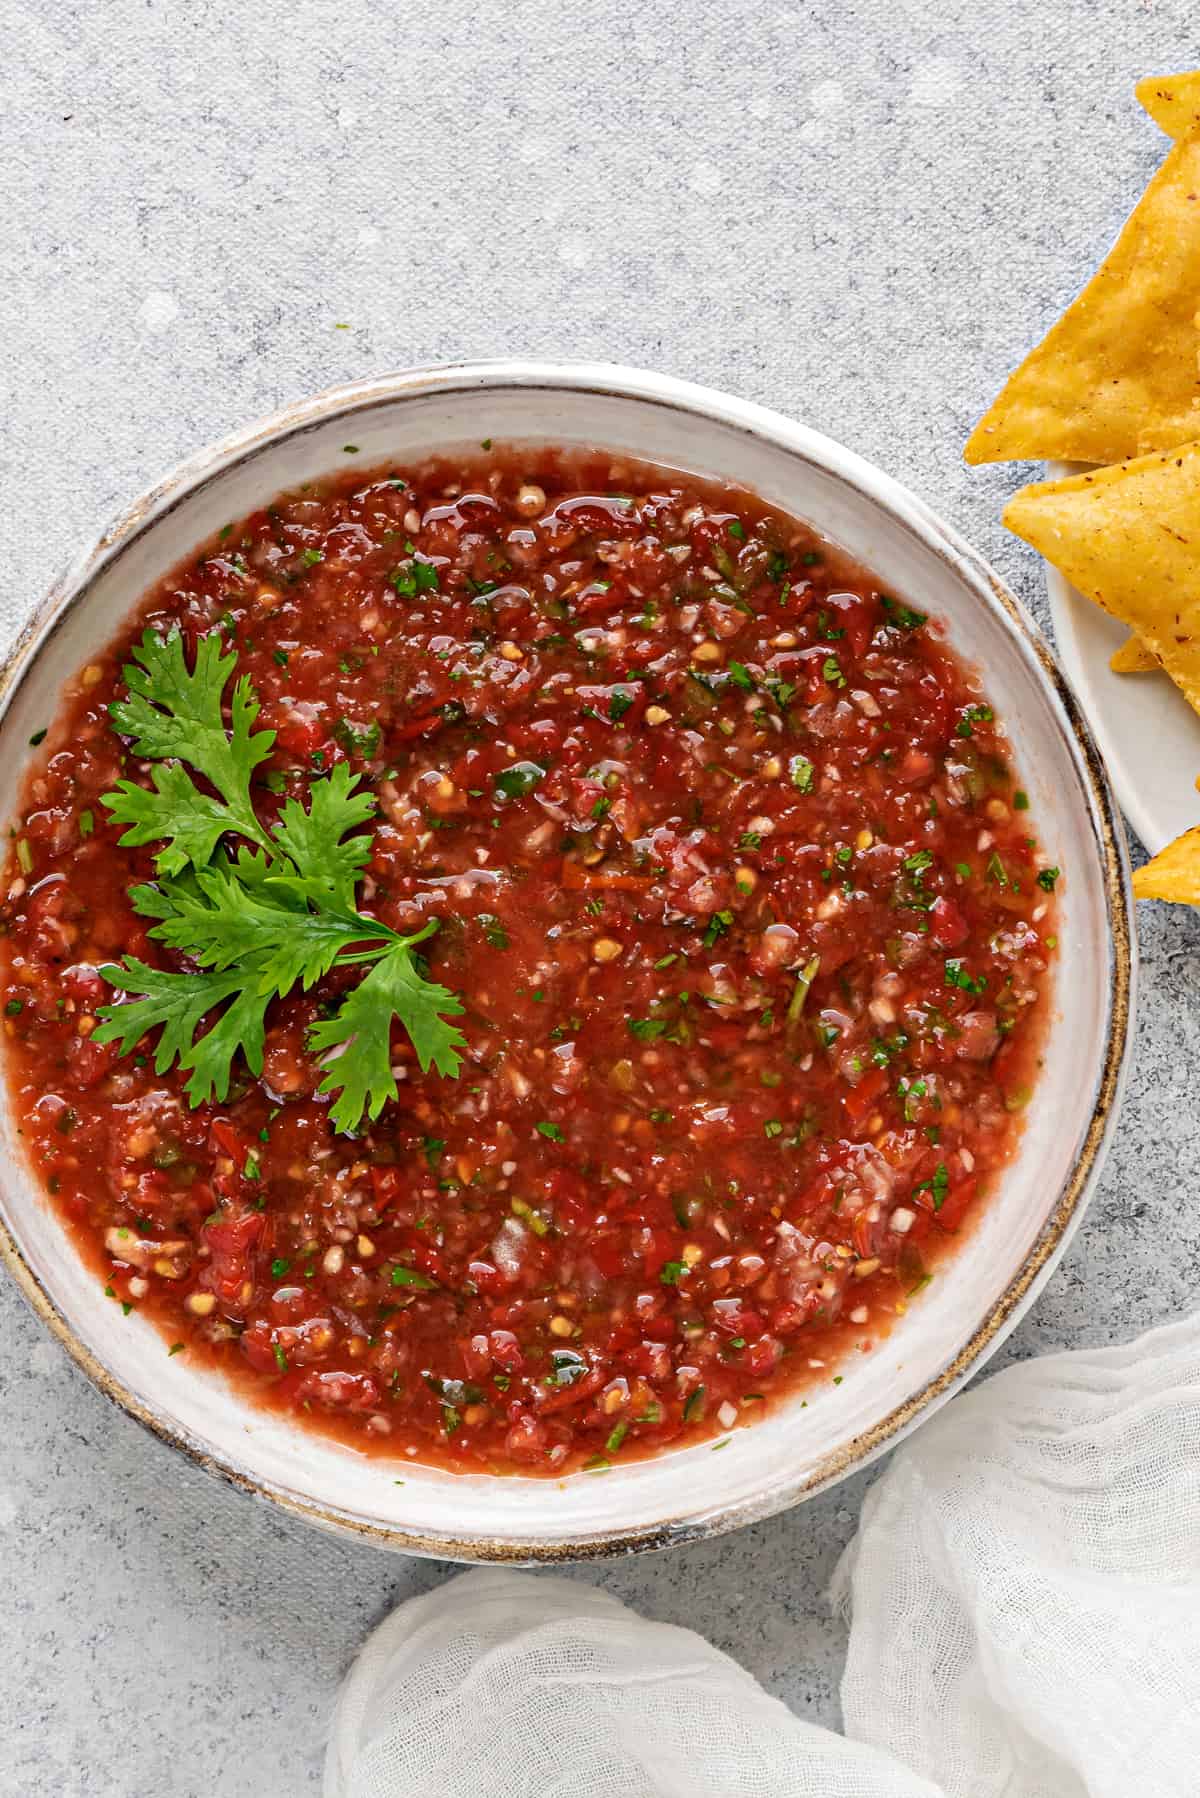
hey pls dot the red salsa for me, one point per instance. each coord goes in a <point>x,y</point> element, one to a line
<point>733,880</point>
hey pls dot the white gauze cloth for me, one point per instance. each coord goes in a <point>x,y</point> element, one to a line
<point>1025,1620</point>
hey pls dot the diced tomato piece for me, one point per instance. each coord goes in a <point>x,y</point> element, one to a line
<point>565,1398</point>
<point>853,616</point>
<point>505,1350</point>
<point>486,1277</point>
<point>338,1391</point>
<point>947,924</point>
<point>763,1357</point>
<point>88,1062</point>
<point>526,1439</point>
<point>84,985</point>
<point>231,1241</point>
<point>859,1101</point>
<point>733,1317</point>
<point>227,1139</point>
<point>417,727</point>
<point>301,733</point>
<point>955,1206</point>
<point>388,1182</point>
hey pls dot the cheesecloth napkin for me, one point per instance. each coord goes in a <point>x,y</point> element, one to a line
<point>1024,1593</point>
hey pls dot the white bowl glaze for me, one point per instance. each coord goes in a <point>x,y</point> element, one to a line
<point>963,1315</point>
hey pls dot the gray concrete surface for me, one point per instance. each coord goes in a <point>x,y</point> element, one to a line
<point>858,212</point>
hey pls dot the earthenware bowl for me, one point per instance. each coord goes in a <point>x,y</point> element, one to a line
<point>964,1314</point>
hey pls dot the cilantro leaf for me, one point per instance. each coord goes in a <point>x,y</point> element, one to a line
<point>178,1004</point>
<point>175,715</point>
<point>361,1074</point>
<point>276,913</point>
<point>327,861</point>
<point>240,1028</point>
<point>216,920</point>
<point>173,811</point>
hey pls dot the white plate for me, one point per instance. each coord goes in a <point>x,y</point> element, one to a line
<point>1148,734</point>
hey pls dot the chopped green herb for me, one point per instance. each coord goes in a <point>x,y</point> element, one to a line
<point>937,1187</point>
<point>974,714</point>
<point>493,930</point>
<point>518,780</point>
<point>802,772</point>
<point>407,1276</point>
<point>417,577</point>
<point>568,1366</point>
<point>902,616</point>
<point>956,975</point>
<point>358,739</point>
<point>551,1131</point>
<point>718,925</point>
<point>1047,879</point>
<point>800,991</point>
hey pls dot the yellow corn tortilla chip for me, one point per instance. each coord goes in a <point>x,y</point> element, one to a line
<point>1173,102</point>
<point>1119,374</point>
<point>1128,537</point>
<point>1174,873</point>
<point>1133,657</point>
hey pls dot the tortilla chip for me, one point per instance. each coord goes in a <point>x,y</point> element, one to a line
<point>1119,374</point>
<point>1174,873</point>
<point>1133,658</point>
<point>1173,102</point>
<point>1128,537</point>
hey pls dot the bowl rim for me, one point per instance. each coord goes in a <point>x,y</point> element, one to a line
<point>611,380</point>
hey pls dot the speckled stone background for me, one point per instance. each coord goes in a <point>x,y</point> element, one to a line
<point>859,212</point>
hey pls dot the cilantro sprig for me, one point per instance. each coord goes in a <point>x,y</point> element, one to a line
<point>275,913</point>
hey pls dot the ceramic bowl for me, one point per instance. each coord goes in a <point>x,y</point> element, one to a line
<point>962,1317</point>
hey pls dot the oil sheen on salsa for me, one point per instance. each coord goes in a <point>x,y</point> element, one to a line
<point>744,905</point>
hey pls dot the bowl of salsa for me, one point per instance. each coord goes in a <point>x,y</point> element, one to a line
<point>555,923</point>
